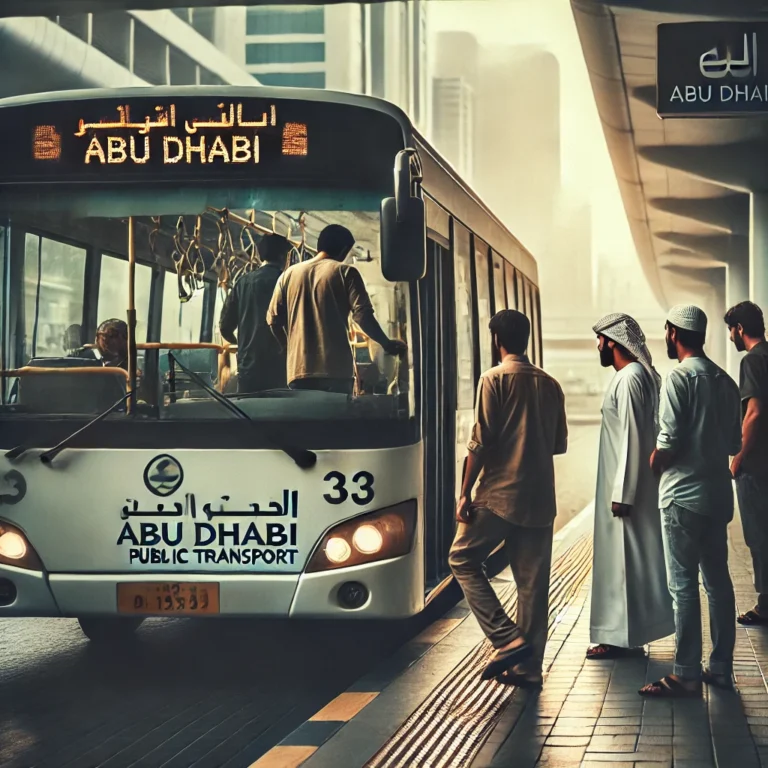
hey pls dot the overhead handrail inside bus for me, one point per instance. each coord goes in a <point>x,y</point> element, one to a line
<point>303,457</point>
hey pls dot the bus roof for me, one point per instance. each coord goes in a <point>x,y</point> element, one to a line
<point>216,91</point>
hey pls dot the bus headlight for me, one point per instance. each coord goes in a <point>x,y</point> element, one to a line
<point>367,539</point>
<point>337,550</point>
<point>16,550</point>
<point>379,535</point>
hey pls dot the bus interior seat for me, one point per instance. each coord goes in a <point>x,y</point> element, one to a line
<point>68,393</point>
<point>204,362</point>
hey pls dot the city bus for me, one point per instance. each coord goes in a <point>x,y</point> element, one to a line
<point>155,489</point>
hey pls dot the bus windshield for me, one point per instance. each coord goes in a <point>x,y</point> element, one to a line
<point>64,253</point>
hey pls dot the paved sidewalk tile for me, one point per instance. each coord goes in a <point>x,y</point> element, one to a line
<point>589,713</point>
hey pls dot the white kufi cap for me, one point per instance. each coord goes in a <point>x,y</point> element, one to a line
<point>688,317</point>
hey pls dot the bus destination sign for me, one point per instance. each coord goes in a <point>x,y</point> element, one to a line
<point>161,137</point>
<point>169,137</point>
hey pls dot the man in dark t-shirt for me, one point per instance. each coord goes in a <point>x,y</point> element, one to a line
<point>750,467</point>
<point>260,361</point>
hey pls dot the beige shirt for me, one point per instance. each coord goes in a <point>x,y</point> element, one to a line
<point>520,425</point>
<point>312,302</point>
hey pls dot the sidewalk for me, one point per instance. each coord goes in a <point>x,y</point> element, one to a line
<point>426,707</point>
<point>590,715</point>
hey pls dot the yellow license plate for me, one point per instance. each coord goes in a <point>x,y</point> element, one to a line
<point>168,599</point>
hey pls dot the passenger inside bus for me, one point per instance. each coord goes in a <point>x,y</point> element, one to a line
<point>309,315</point>
<point>261,361</point>
<point>111,347</point>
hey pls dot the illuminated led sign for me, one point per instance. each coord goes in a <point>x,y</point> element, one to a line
<point>233,135</point>
<point>229,139</point>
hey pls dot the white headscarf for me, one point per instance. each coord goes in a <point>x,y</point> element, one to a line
<point>624,330</point>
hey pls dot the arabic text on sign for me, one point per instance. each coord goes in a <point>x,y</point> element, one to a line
<point>166,118</point>
<point>713,67</point>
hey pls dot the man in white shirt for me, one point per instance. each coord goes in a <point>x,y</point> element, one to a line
<point>631,605</point>
<point>700,430</point>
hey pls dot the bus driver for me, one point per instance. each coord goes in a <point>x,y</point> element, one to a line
<point>309,315</point>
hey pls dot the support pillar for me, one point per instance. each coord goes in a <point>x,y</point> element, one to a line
<point>758,249</point>
<point>736,290</point>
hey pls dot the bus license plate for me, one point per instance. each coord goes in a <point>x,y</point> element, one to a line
<point>168,599</point>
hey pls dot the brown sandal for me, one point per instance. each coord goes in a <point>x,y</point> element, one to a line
<point>605,651</point>
<point>669,688</point>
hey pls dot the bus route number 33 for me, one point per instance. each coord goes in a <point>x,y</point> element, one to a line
<point>362,491</point>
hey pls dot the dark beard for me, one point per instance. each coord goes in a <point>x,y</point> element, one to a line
<point>738,342</point>
<point>671,350</point>
<point>606,356</point>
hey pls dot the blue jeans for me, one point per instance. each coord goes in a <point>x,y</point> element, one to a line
<point>694,542</point>
<point>752,493</point>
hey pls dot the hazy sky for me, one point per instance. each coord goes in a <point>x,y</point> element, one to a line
<point>586,166</point>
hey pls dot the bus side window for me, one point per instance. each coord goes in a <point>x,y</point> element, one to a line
<point>499,292</point>
<point>464,337</point>
<point>532,345</point>
<point>113,299</point>
<point>509,279</point>
<point>182,323</point>
<point>53,293</point>
<point>536,326</point>
<point>483,297</point>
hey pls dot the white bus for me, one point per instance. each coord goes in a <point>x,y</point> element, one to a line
<point>155,491</point>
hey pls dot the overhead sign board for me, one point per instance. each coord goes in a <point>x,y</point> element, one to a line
<point>712,69</point>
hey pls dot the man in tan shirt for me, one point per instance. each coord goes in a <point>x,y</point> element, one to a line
<point>520,426</point>
<point>309,314</point>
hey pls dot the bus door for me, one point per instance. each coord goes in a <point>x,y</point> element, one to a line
<point>439,391</point>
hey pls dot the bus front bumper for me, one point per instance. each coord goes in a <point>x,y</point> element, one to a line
<point>394,590</point>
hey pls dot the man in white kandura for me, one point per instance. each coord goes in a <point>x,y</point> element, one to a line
<point>631,605</point>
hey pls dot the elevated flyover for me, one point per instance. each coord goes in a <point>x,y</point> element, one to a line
<point>693,187</point>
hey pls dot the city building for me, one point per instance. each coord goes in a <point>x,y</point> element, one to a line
<point>378,49</point>
<point>453,122</point>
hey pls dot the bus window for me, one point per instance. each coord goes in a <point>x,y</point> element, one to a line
<point>113,298</point>
<point>483,304</point>
<point>509,279</point>
<point>54,284</point>
<point>182,322</point>
<point>464,339</point>
<point>536,325</point>
<point>499,298</point>
<point>532,346</point>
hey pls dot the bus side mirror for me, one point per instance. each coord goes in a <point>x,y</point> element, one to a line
<point>403,225</point>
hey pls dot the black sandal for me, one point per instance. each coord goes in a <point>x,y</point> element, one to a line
<point>725,682</point>
<point>605,651</point>
<point>669,688</point>
<point>519,680</point>
<point>505,660</point>
<point>752,619</point>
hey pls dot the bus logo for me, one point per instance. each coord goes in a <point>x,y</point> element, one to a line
<point>163,475</point>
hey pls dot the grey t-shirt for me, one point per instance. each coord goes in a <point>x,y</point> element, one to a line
<point>700,425</point>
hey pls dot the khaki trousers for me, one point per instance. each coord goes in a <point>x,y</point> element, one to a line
<point>529,551</point>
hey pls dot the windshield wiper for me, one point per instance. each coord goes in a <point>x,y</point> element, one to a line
<point>304,458</point>
<point>50,455</point>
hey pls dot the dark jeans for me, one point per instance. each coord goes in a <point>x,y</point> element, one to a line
<point>752,493</point>
<point>340,386</point>
<point>529,551</point>
<point>694,542</point>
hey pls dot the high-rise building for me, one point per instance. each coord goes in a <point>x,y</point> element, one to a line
<point>517,160</point>
<point>454,107</point>
<point>453,120</point>
<point>380,50</point>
